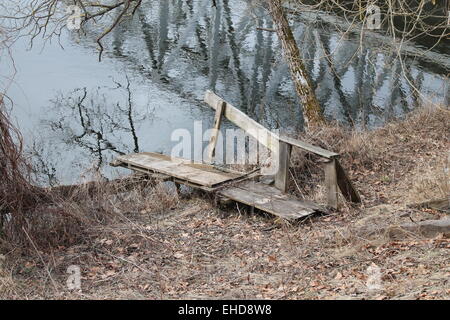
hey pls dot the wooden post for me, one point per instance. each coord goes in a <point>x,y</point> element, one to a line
<point>282,177</point>
<point>217,120</point>
<point>331,183</point>
<point>178,188</point>
<point>346,186</point>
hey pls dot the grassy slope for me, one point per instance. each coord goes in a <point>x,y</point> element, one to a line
<point>161,246</point>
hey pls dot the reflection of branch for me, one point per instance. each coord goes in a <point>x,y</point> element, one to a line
<point>89,130</point>
<point>95,128</point>
<point>43,166</point>
<point>337,81</point>
<point>130,118</point>
<point>231,36</point>
<point>113,25</point>
<point>129,113</point>
<point>147,31</point>
<point>80,112</point>
<point>378,38</point>
<point>41,17</point>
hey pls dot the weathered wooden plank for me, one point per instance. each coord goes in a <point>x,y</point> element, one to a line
<point>266,137</point>
<point>282,177</point>
<point>269,199</point>
<point>193,185</point>
<point>331,183</point>
<point>239,118</point>
<point>166,177</point>
<point>179,168</point>
<point>274,206</point>
<point>270,191</point>
<point>213,140</point>
<point>309,147</point>
<point>345,185</point>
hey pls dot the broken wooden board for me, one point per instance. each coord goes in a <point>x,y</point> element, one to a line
<point>181,169</point>
<point>270,199</point>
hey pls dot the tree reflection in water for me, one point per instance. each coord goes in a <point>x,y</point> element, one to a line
<point>85,122</point>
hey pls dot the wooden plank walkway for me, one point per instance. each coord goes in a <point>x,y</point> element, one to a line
<point>196,173</point>
<point>242,187</point>
<point>270,199</point>
<point>229,185</point>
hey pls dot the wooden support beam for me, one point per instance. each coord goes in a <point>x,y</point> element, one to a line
<point>309,147</point>
<point>264,136</point>
<point>346,186</point>
<point>178,188</point>
<point>331,183</point>
<point>282,177</point>
<point>281,145</point>
<point>217,120</point>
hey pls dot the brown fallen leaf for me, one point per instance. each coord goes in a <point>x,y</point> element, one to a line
<point>313,283</point>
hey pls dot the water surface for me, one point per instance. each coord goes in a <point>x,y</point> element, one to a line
<point>77,113</point>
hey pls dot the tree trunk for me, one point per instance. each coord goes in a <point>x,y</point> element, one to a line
<point>311,109</point>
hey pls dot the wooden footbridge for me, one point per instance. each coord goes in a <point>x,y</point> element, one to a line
<point>248,188</point>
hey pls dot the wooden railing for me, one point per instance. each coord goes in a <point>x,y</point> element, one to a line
<point>335,176</point>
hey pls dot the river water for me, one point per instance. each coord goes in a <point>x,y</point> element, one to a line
<point>77,113</point>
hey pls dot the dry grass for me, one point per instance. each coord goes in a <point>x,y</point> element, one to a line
<point>6,280</point>
<point>30,217</point>
<point>412,154</point>
<point>151,244</point>
<point>34,219</point>
<point>17,195</point>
